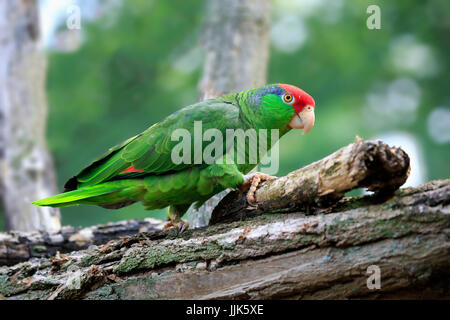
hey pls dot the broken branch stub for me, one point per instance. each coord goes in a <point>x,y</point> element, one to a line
<point>364,164</point>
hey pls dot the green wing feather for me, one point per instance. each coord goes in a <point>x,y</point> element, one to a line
<point>151,150</point>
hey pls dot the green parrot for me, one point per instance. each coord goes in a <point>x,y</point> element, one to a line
<point>143,168</point>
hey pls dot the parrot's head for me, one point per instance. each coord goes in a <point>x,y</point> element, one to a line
<point>278,106</point>
<point>302,105</point>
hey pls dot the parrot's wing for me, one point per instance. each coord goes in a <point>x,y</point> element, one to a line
<point>150,151</point>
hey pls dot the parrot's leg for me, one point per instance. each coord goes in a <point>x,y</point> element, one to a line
<point>175,212</point>
<point>252,183</point>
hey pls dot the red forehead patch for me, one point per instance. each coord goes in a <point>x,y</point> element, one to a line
<point>302,99</point>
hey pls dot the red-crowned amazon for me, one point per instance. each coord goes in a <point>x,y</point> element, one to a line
<point>142,168</point>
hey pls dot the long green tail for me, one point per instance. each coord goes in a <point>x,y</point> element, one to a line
<point>108,193</point>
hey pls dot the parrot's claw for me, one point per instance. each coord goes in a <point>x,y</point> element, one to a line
<point>179,225</point>
<point>252,183</point>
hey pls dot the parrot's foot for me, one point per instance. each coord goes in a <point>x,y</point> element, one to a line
<point>179,225</point>
<point>175,212</point>
<point>252,183</point>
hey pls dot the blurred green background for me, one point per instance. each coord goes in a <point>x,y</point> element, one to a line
<point>135,62</point>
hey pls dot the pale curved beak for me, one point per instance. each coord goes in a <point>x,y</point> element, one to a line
<point>303,120</point>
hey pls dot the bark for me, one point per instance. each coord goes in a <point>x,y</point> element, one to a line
<point>236,41</point>
<point>26,170</point>
<point>314,188</point>
<point>237,46</point>
<point>16,246</point>
<point>270,256</point>
<point>309,254</point>
<point>364,164</point>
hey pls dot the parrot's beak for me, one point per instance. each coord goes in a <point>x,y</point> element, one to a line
<point>303,120</point>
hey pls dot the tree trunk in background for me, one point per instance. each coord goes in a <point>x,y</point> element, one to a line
<point>237,46</point>
<point>236,41</point>
<point>26,169</point>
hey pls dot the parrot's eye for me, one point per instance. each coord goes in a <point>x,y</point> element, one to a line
<point>288,98</point>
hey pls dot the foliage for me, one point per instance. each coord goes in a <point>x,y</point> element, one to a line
<point>143,62</point>
<point>119,82</point>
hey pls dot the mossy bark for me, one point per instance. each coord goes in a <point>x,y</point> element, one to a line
<point>294,255</point>
<point>18,246</point>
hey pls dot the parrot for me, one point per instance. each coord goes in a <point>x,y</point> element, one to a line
<point>141,169</point>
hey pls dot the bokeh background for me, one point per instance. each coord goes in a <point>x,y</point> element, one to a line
<point>135,62</point>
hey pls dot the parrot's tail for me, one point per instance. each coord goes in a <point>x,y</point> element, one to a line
<point>109,194</point>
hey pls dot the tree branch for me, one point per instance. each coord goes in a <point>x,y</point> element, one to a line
<point>405,233</point>
<point>363,164</point>
<point>16,246</point>
<point>270,256</point>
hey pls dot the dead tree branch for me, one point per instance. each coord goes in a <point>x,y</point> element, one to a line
<point>404,233</point>
<point>269,256</point>
<point>363,164</point>
<point>16,246</point>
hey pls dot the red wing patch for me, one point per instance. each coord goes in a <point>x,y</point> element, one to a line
<point>131,169</point>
